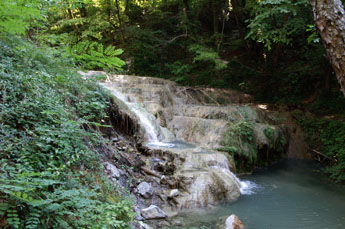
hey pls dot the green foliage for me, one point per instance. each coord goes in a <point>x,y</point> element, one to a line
<point>16,16</point>
<point>327,135</point>
<point>277,22</point>
<point>177,39</point>
<point>178,68</point>
<point>146,52</point>
<point>240,140</point>
<point>269,133</point>
<point>314,36</point>
<point>92,55</point>
<point>331,102</point>
<point>205,54</point>
<point>252,144</point>
<point>50,173</point>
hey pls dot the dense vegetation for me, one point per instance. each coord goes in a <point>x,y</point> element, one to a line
<point>51,173</point>
<point>49,166</point>
<point>234,44</point>
<point>267,48</point>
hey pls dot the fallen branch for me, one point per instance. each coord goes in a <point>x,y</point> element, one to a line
<point>150,172</point>
<point>323,155</point>
<point>208,96</point>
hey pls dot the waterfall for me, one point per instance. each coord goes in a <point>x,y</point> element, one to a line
<point>154,133</point>
<point>189,121</point>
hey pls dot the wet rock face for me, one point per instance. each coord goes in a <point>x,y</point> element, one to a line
<point>200,178</point>
<point>208,187</point>
<point>202,116</point>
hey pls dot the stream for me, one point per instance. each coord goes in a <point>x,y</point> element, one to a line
<point>290,194</point>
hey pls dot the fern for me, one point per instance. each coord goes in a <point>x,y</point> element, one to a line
<point>3,208</point>
<point>92,55</point>
<point>13,218</point>
<point>33,218</point>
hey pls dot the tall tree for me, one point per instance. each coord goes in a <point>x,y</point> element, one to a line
<point>330,22</point>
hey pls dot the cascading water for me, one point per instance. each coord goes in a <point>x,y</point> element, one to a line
<point>246,187</point>
<point>154,133</point>
<point>211,179</point>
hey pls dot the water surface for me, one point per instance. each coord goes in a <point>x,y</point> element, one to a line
<point>290,194</point>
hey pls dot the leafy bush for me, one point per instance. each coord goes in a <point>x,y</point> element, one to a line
<point>50,174</point>
<point>271,25</point>
<point>328,136</point>
<point>205,54</point>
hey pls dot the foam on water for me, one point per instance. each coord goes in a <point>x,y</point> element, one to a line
<point>249,187</point>
<point>161,144</point>
<point>246,187</point>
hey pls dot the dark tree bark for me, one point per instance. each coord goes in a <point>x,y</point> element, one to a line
<point>329,18</point>
<point>120,20</point>
<point>215,17</point>
<point>71,16</point>
<point>126,7</point>
<point>83,11</point>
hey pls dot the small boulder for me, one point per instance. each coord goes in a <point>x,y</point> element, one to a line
<point>112,170</point>
<point>153,212</point>
<point>173,193</point>
<point>115,140</point>
<point>233,222</point>
<point>163,180</point>
<point>145,190</point>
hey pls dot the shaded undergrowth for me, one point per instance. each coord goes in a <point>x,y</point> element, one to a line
<point>51,175</point>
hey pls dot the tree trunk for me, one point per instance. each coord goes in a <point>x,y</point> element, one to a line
<point>71,16</point>
<point>235,5</point>
<point>330,22</point>
<point>120,21</point>
<point>222,33</point>
<point>185,15</point>
<point>83,11</point>
<point>215,18</point>
<point>126,7</point>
